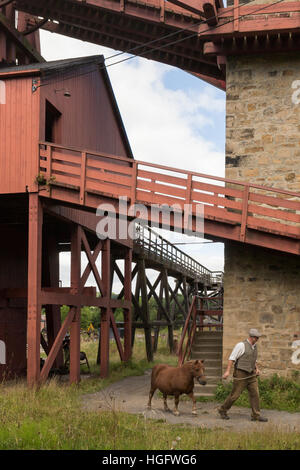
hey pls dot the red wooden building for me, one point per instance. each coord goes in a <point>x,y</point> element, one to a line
<point>69,103</point>
<point>50,113</point>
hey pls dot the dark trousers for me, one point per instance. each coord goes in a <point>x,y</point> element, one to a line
<point>238,386</point>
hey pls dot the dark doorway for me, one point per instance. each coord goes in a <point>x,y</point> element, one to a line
<point>53,121</point>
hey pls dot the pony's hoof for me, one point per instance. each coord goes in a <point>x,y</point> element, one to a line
<point>194,413</point>
<point>176,413</point>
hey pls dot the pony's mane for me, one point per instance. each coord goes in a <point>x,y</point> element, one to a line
<point>189,363</point>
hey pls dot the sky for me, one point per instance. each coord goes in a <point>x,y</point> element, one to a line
<point>171,118</point>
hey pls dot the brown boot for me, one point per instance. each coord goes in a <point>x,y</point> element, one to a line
<point>223,414</point>
<point>261,419</point>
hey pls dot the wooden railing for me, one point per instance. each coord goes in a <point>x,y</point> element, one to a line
<point>200,316</point>
<point>234,202</point>
<point>161,249</point>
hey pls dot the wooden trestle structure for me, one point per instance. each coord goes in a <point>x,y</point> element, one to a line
<point>48,202</point>
<point>152,251</point>
<point>229,213</point>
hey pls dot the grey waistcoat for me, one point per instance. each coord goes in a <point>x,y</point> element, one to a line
<point>248,359</point>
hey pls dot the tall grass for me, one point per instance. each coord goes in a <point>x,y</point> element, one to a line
<point>52,417</point>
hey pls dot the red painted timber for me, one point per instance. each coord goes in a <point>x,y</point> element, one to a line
<point>75,286</point>
<point>57,345</point>
<point>150,11</point>
<point>105,312</point>
<point>34,288</point>
<point>252,206</point>
<point>129,25</point>
<point>127,311</point>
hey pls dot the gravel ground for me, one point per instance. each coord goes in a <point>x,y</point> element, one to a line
<point>130,395</point>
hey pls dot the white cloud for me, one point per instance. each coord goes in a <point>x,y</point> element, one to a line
<point>174,127</point>
<point>164,126</point>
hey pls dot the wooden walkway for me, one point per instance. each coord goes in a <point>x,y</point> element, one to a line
<point>160,251</point>
<point>232,210</point>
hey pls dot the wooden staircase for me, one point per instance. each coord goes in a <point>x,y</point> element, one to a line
<point>207,345</point>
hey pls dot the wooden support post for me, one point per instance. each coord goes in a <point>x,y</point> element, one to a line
<point>244,213</point>
<point>185,295</point>
<point>162,11</point>
<point>145,309</point>
<point>82,178</point>
<point>75,285</point>
<point>134,182</point>
<point>105,311</point>
<point>34,288</point>
<point>172,306</point>
<point>57,344</point>
<point>136,302</point>
<point>50,278</point>
<point>2,46</point>
<point>236,14</point>
<point>159,316</point>
<point>127,312</point>
<point>167,307</point>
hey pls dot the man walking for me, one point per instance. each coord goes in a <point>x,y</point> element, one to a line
<point>244,356</point>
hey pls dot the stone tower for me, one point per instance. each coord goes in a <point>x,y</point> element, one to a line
<point>263,147</point>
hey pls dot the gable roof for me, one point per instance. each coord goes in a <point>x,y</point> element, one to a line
<point>64,67</point>
<point>51,66</point>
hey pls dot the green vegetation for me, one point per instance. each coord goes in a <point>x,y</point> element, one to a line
<point>91,315</point>
<point>52,417</point>
<point>276,393</point>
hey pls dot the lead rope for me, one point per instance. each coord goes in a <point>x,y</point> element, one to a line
<point>245,378</point>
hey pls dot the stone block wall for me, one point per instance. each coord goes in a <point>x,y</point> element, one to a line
<point>262,291</point>
<point>262,121</point>
<point>263,146</point>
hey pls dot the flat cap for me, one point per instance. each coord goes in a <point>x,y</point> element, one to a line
<point>254,332</point>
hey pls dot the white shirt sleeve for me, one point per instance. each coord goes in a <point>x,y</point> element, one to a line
<point>237,351</point>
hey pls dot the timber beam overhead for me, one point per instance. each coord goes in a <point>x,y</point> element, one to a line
<point>14,45</point>
<point>262,19</point>
<point>192,35</point>
<point>158,38</point>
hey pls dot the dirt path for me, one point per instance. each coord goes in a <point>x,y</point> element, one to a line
<point>131,396</point>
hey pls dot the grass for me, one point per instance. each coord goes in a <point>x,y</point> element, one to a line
<point>52,418</point>
<point>276,393</point>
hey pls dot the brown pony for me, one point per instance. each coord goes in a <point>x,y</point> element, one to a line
<point>176,381</point>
